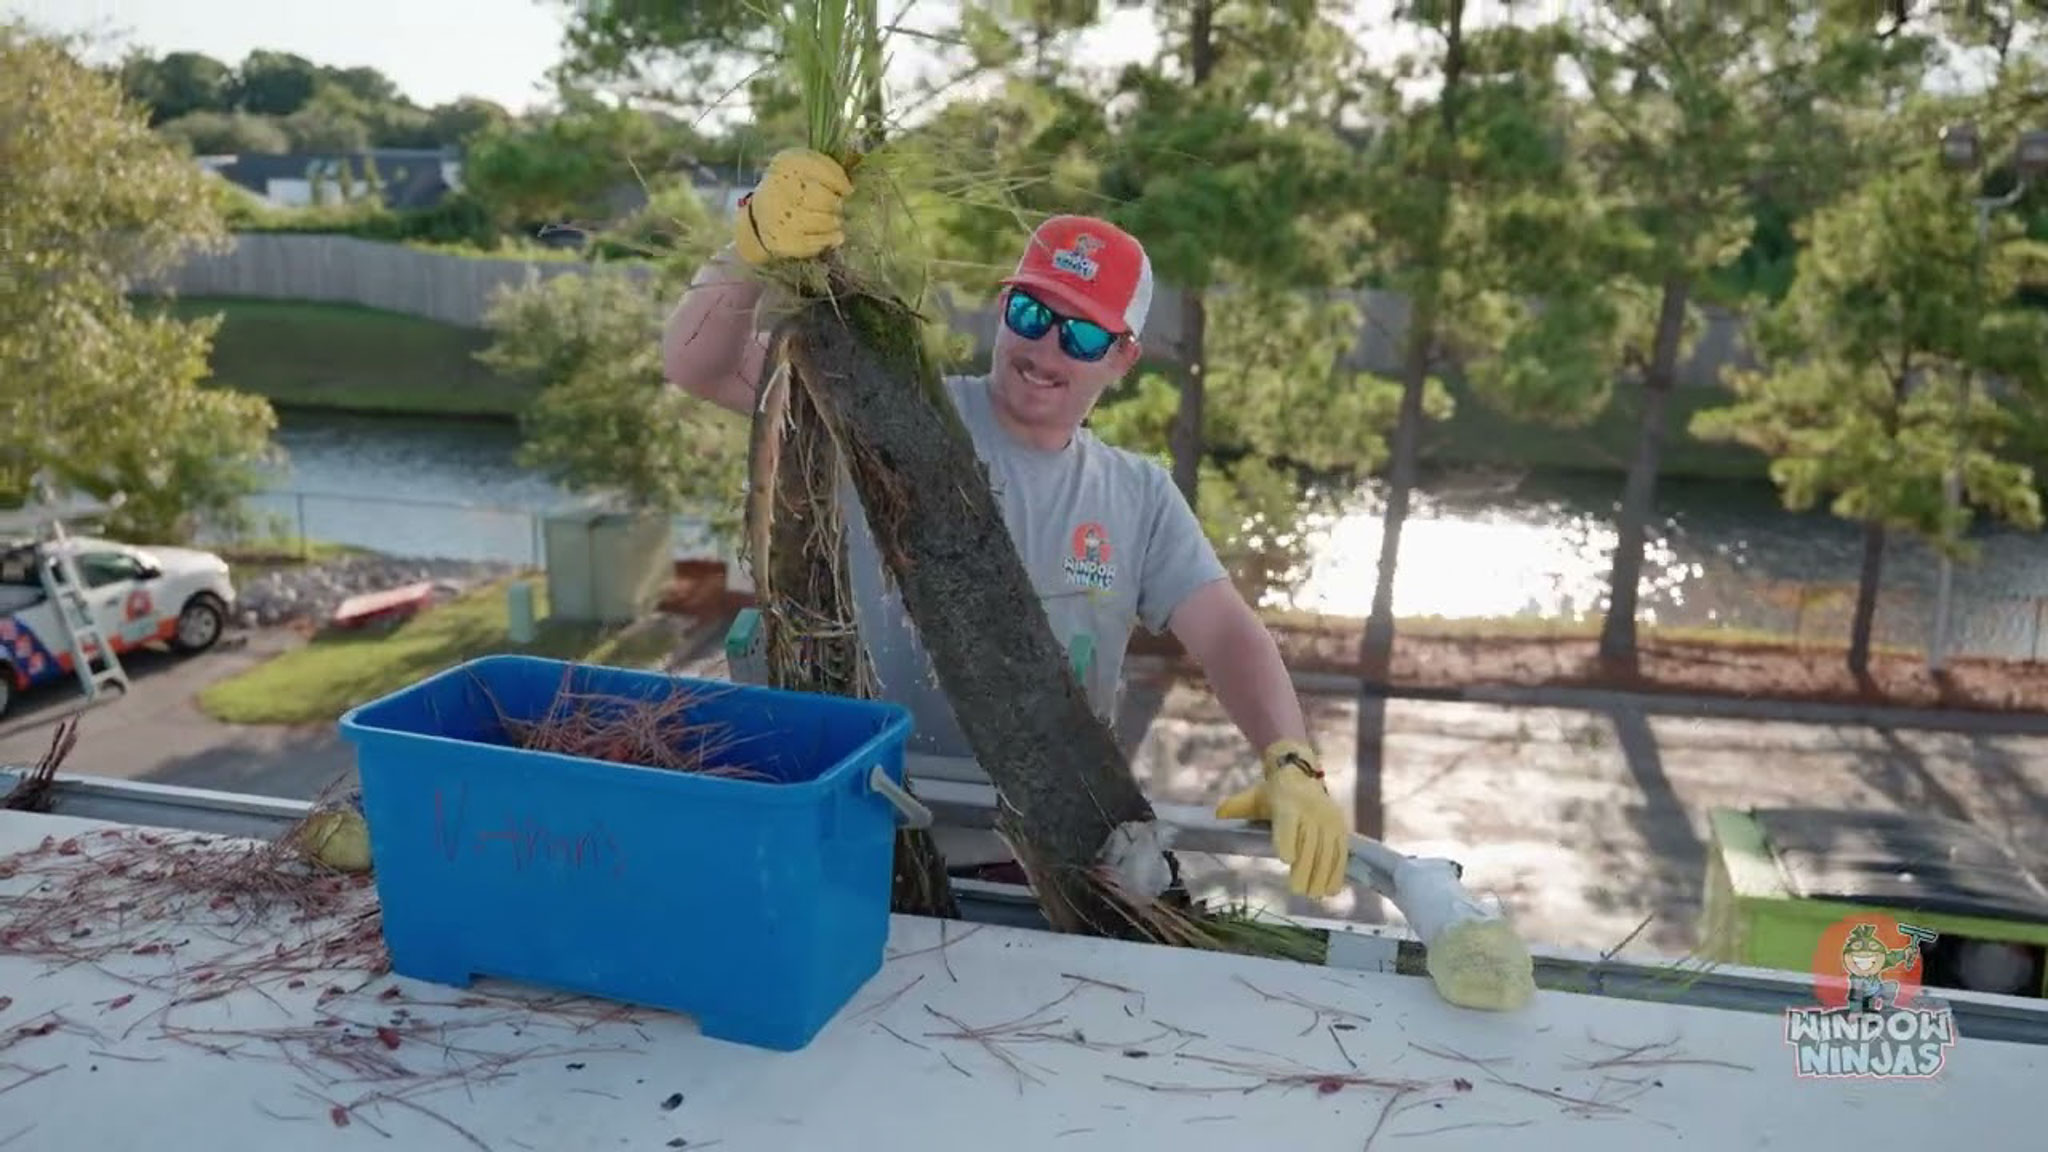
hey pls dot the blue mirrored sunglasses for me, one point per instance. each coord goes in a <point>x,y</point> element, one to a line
<point>1084,340</point>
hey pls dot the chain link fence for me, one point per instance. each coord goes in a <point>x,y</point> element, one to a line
<point>1803,612</point>
<point>426,529</point>
<point>1819,614</point>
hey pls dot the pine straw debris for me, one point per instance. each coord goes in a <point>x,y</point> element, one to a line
<point>652,731</point>
<point>250,913</point>
<point>1164,1058</point>
<point>184,919</point>
<point>253,914</point>
<point>34,791</point>
<point>391,1052</point>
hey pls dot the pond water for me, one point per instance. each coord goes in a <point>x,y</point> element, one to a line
<point>1720,553</point>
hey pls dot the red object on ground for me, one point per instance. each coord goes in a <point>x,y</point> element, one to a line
<point>390,604</point>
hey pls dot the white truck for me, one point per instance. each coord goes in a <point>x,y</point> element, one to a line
<point>136,596</point>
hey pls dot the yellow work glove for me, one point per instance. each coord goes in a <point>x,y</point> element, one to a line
<point>797,212</point>
<point>1309,830</point>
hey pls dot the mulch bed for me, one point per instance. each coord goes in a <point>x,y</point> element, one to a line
<point>1811,674</point>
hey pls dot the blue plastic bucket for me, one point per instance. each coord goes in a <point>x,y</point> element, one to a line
<point>757,907</point>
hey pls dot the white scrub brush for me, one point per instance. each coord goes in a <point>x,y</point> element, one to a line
<point>1474,956</point>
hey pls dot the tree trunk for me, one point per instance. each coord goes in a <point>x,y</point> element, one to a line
<point>812,646</point>
<point>1377,657</point>
<point>1063,780</point>
<point>1376,649</point>
<point>1639,493</point>
<point>1868,579</point>
<point>1185,439</point>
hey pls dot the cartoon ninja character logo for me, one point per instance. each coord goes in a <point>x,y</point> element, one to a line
<point>1092,543</point>
<point>1865,960</point>
<point>1874,1019</point>
<point>1088,563</point>
<point>1079,259</point>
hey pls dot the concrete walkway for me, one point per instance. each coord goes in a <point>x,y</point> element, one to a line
<point>1584,822</point>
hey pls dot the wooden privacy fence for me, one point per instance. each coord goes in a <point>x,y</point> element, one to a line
<point>457,289</point>
<point>443,286</point>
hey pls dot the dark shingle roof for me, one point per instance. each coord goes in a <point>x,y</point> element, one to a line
<point>411,176</point>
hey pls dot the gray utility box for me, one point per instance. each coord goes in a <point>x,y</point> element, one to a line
<point>606,565</point>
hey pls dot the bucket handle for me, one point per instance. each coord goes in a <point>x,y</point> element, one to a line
<point>914,814</point>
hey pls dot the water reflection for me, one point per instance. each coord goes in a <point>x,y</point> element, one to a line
<point>1717,553</point>
<point>1475,545</point>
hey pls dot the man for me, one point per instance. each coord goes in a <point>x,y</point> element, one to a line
<point>1105,535</point>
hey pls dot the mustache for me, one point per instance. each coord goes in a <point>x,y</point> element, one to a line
<point>1024,364</point>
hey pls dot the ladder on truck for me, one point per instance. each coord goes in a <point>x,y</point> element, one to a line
<point>91,654</point>
<point>92,657</point>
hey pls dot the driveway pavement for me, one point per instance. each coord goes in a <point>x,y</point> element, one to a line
<point>155,731</point>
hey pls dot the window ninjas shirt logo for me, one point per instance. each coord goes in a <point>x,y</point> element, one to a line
<point>1874,1021</point>
<point>1089,564</point>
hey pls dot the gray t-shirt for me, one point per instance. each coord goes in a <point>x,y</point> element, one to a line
<point>1106,537</point>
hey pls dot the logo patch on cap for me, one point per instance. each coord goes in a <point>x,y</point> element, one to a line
<point>1080,259</point>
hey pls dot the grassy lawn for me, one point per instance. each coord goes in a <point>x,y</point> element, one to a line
<point>341,357</point>
<point>336,671</point>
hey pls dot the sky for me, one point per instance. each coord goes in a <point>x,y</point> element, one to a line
<point>438,50</point>
<point>434,50</point>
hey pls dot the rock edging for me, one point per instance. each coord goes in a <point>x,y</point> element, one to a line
<point>311,592</point>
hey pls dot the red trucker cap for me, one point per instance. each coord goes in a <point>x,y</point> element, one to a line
<point>1090,268</point>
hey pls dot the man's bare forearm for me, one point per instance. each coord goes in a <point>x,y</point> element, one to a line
<point>1242,662</point>
<point>709,347</point>
<point>1252,683</point>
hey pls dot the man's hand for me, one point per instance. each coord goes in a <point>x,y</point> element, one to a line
<point>1309,830</point>
<point>797,212</point>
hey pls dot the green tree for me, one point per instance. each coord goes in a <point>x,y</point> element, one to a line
<point>178,84</point>
<point>1224,162</point>
<point>689,57</point>
<point>675,228</point>
<point>331,121</point>
<point>1477,220</point>
<point>1692,109</point>
<point>1868,398</point>
<point>606,423</point>
<point>1025,151</point>
<point>1480,219</point>
<point>365,84</point>
<point>227,134</point>
<point>558,166</point>
<point>101,397</point>
<point>1284,406</point>
<point>461,120</point>
<point>274,83</point>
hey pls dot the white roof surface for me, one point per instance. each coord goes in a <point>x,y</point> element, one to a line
<point>1096,1046</point>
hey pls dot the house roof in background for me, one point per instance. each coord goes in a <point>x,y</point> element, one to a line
<point>411,176</point>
